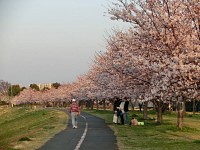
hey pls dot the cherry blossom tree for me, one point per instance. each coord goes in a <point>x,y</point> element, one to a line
<point>55,96</point>
<point>168,34</point>
<point>4,86</point>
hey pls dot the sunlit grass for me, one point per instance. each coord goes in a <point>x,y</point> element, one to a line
<point>152,136</point>
<point>25,128</point>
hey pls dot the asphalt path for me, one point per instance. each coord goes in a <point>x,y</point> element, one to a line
<point>92,134</point>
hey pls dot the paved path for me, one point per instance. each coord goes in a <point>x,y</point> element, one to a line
<point>92,134</point>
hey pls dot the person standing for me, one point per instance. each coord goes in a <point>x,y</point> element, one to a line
<point>140,105</point>
<point>116,116</point>
<point>116,103</point>
<point>121,107</point>
<point>74,111</point>
<point>126,106</point>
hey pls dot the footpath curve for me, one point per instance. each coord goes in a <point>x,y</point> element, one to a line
<point>92,134</point>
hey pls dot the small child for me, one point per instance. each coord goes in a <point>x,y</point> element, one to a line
<point>134,122</point>
<point>115,118</point>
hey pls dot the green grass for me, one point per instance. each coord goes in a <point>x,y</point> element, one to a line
<point>152,136</point>
<point>25,128</point>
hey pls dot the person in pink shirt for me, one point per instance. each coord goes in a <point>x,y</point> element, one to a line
<point>75,112</point>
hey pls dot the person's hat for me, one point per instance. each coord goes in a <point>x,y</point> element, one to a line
<point>73,100</point>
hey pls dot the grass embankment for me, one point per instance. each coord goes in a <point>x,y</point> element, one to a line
<point>152,136</point>
<point>25,128</point>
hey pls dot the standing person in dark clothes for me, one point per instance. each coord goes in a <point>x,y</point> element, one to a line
<point>140,105</point>
<point>116,104</point>
<point>126,109</point>
<point>121,107</point>
<point>116,116</point>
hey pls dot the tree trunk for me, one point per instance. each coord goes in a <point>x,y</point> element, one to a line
<point>180,116</point>
<point>160,108</point>
<point>159,115</point>
<point>88,104</point>
<point>154,106</point>
<point>97,104</point>
<point>184,108</point>
<point>194,107</point>
<point>92,104</point>
<point>145,116</point>
<point>81,104</point>
<point>170,107</point>
<point>104,104</point>
<point>132,105</point>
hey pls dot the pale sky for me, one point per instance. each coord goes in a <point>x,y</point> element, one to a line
<point>46,41</point>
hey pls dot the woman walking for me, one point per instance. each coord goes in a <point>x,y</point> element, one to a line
<point>74,111</point>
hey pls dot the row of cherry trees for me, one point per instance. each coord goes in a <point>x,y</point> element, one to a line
<point>44,97</point>
<point>157,59</point>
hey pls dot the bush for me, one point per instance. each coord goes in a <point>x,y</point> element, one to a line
<point>24,139</point>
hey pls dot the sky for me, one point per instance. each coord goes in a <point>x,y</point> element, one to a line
<point>48,41</point>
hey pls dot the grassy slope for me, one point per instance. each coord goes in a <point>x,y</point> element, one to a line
<point>25,128</point>
<point>156,137</point>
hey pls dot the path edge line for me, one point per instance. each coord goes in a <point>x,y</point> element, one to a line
<point>83,136</point>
